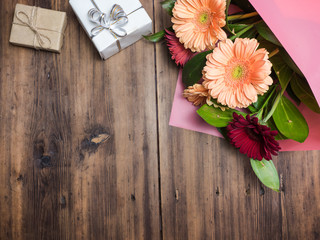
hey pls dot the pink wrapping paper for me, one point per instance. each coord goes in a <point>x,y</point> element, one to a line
<point>297,26</point>
<point>183,115</point>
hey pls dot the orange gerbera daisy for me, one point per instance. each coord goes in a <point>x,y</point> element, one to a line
<point>236,73</point>
<point>197,94</point>
<point>197,23</point>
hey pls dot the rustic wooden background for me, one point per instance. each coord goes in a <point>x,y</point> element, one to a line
<point>86,152</point>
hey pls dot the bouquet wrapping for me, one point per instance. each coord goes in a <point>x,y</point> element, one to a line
<point>241,81</point>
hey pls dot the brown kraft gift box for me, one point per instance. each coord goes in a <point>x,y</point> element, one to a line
<point>38,28</point>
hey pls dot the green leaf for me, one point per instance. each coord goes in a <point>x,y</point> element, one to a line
<point>227,27</point>
<point>266,44</point>
<point>192,71</point>
<point>292,95</point>
<point>224,132</point>
<point>235,28</point>
<point>251,33</point>
<point>244,33</point>
<point>290,121</point>
<point>168,6</point>
<point>302,90</point>
<point>227,7</point>
<point>156,37</point>
<point>248,21</point>
<point>273,126</point>
<point>262,98</point>
<point>266,33</point>
<point>267,173</point>
<point>283,72</point>
<point>244,5</point>
<point>288,60</point>
<point>252,109</point>
<point>215,116</point>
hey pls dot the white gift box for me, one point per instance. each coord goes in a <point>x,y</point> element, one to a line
<point>107,44</point>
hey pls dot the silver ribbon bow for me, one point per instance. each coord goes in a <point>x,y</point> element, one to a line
<point>117,18</point>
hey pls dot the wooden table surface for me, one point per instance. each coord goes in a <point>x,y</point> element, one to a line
<point>87,152</point>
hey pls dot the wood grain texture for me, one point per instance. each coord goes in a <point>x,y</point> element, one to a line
<point>83,142</point>
<point>56,181</point>
<point>208,190</point>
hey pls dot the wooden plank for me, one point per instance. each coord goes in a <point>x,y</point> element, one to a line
<point>78,138</point>
<point>208,190</point>
<point>300,196</point>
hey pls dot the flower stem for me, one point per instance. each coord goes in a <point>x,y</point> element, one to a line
<point>275,105</point>
<point>242,16</point>
<point>276,102</point>
<point>274,52</point>
<point>241,32</point>
<point>265,103</point>
<point>259,114</point>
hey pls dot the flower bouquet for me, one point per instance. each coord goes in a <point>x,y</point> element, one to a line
<point>239,76</point>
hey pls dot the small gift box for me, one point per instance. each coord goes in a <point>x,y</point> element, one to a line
<point>38,28</point>
<point>112,25</point>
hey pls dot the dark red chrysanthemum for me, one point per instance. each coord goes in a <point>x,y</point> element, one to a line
<point>177,50</point>
<point>254,139</point>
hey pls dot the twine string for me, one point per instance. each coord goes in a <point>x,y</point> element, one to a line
<point>43,40</point>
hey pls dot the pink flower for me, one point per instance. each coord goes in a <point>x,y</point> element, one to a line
<point>177,50</point>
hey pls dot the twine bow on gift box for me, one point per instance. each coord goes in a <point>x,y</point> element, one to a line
<point>43,40</point>
<point>117,18</point>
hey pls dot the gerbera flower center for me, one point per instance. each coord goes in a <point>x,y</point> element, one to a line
<point>252,134</point>
<point>203,19</point>
<point>237,71</point>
